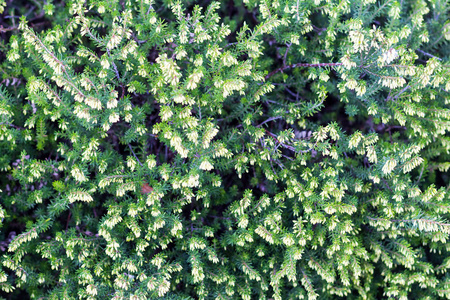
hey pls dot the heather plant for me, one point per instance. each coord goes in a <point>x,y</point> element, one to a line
<point>224,150</point>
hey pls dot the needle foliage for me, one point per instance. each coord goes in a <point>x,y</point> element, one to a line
<point>256,149</point>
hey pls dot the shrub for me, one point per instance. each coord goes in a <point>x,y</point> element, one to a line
<point>255,150</point>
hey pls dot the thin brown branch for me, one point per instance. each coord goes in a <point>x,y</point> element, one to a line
<point>428,54</point>
<point>134,154</point>
<point>398,95</point>
<point>306,65</point>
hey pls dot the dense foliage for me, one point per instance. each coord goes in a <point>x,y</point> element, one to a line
<point>264,149</point>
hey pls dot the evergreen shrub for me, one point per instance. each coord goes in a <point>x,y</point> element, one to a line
<point>256,149</point>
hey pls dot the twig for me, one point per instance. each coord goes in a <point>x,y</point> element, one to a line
<point>285,156</point>
<point>318,29</point>
<point>3,29</point>
<point>285,53</point>
<point>149,8</point>
<point>269,119</point>
<point>230,44</point>
<point>12,125</point>
<point>114,65</point>
<point>287,146</point>
<point>398,95</point>
<point>135,155</point>
<point>320,65</point>
<point>137,40</point>
<point>395,127</point>
<point>378,10</point>
<point>68,219</point>
<point>420,175</point>
<point>428,54</point>
<point>109,54</point>
<point>386,184</point>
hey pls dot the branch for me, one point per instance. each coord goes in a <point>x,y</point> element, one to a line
<point>274,136</point>
<point>398,95</point>
<point>114,65</point>
<point>301,65</point>
<point>428,54</point>
<point>12,125</point>
<point>135,155</point>
<point>285,53</point>
<point>420,176</point>
<point>269,119</point>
